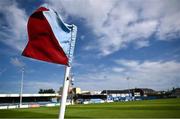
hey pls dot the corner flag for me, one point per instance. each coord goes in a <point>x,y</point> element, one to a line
<point>50,39</point>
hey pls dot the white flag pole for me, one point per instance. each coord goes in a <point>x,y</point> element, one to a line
<point>67,73</point>
<point>64,93</point>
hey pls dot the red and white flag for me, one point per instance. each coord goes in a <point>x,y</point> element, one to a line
<point>50,39</point>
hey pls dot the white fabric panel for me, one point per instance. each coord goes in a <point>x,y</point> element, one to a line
<point>64,33</point>
<point>61,35</point>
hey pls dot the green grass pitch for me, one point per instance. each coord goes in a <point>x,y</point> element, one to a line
<point>164,108</point>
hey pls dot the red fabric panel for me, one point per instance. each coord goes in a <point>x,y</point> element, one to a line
<point>42,44</point>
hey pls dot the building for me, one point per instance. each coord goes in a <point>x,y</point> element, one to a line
<point>27,98</point>
<point>175,93</point>
<point>143,92</point>
<point>78,96</point>
<point>128,94</point>
<point>76,90</point>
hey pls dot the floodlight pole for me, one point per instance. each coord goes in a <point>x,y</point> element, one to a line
<point>21,90</point>
<point>65,92</point>
<point>128,84</point>
<point>128,81</point>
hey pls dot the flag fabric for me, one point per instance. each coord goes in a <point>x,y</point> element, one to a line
<point>50,39</point>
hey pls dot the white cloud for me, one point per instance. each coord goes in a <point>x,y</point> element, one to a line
<point>13,28</point>
<point>16,62</point>
<point>116,23</point>
<point>127,63</point>
<point>169,27</point>
<point>118,69</point>
<point>158,75</point>
<point>143,43</point>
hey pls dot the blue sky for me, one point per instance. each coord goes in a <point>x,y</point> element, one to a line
<point>116,39</point>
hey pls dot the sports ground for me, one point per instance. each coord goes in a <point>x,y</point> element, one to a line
<point>163,108</point>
